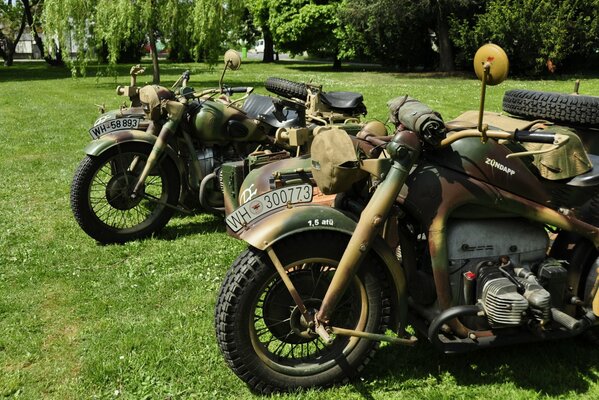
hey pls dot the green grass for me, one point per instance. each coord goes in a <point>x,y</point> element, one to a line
<point>79,320</point>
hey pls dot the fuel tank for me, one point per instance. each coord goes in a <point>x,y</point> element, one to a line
<point>216,123</point>
<point>487,162</point>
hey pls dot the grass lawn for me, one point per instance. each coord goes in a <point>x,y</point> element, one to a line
<point>79,320</point>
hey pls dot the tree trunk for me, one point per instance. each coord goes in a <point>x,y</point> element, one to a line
<point>446,62</point>
<point>155,65</point>
<point>38,40</point>
<point>268,45</point>
<point>5,50</point>
<point>10,47</point>
<point>336,63</point>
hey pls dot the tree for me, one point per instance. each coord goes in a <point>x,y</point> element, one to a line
<point>403,32</point>
<point>536,34</point>
<point>32,13</point>
<point>12,25</point>
<point>307,25</point>
<point>260,10</point>
<point>394,32</point>
<point>201,25</point>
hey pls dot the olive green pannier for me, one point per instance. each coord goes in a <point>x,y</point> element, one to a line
<point>335,164</point>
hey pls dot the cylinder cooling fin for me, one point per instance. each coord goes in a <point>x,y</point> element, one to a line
<point>502,302</point>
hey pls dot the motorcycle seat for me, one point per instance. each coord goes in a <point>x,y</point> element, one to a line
<point>262,108</point>
<point>590,178</point>
<point>343,100</point>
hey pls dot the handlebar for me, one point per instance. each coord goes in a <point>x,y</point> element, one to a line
<point>229,91</point>
<point>185,78</point>
<point>534,137</point>
<point>556,140</point>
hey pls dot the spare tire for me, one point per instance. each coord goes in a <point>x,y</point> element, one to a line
<point>566,108</point>
<point>286,88</point>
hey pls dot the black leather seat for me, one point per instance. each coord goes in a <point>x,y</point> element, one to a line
<point>262,108</point>
<point>343,100</point>
<point>590,178</point>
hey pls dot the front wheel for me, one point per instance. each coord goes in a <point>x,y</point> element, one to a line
<point>264,337</point>
<point>101,194</point>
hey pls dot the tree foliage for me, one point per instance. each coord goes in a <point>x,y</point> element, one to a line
<point>405,33</point>
<point>536,34</point>
<point>307,25</point>
<point>424,34</point>
<point>394,32</point>
<point>195,29</point>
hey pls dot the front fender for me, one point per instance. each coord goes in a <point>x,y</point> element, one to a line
<point>287,222</point>
<point>106,142</point>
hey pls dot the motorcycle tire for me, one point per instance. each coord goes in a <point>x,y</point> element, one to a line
<point>100,191</point>
<point>260,330</point>
<point>286,88</point>
<point>559,107</point>
<point>592,334</point>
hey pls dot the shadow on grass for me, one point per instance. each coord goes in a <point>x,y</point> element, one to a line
<point>547,368</point>
<point>198,86</point>
<point>185,226</point>
<point>31,71</point>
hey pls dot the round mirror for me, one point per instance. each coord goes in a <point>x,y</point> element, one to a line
<point>232,60</point>
<point>495,58</point>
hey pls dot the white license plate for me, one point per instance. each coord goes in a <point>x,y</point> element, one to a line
<point>112,125</point>
<point>266,202</point>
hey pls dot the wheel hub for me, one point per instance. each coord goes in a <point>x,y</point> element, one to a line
<point>119,190</point>
<point>298,323</point>
<point>282,316</point>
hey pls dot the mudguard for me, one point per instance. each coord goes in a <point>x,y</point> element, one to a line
<point>107,142</point>
<point>99,146</point>
<point>290,221</point>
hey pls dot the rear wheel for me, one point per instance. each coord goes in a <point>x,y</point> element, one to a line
<point>101,194</point>
<point>592,335</point>
<point>262,334</point>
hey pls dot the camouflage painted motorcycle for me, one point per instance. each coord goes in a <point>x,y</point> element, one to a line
<point>163,154</point>
<point>477,233</point>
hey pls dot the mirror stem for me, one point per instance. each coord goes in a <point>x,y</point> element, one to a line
<point>483,128</point>
<point>220,82</point>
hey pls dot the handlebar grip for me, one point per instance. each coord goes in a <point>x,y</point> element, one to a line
<point>534,137</point>
<point>236,90</point>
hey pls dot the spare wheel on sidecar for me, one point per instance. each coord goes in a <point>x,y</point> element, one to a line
<point>560,107</point>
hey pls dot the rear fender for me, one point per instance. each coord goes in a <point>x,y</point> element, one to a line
<point>107,142</point>
<point>288,222</point>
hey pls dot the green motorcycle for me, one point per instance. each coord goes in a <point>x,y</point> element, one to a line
<point>164,153</point>
<point>476,233</point>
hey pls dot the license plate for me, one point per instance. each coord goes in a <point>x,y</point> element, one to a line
<point>112,125</point>
<point>266,202</point>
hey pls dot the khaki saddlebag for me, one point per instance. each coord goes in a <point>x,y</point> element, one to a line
<point>335,164</point>
<point>564,163</point>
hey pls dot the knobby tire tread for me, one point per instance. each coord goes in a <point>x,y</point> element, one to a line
<point>287,88</point>
<point>558,107</point>
<point>245,268</point>
<point>85,216</point>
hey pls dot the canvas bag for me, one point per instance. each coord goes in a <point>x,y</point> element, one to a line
<point>335,164</point>
<point>566,162</point>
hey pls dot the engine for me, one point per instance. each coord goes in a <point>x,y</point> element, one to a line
<point>502,265</point>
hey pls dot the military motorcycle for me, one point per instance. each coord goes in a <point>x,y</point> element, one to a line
<point>163,153</point>
<point>471,234</point>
